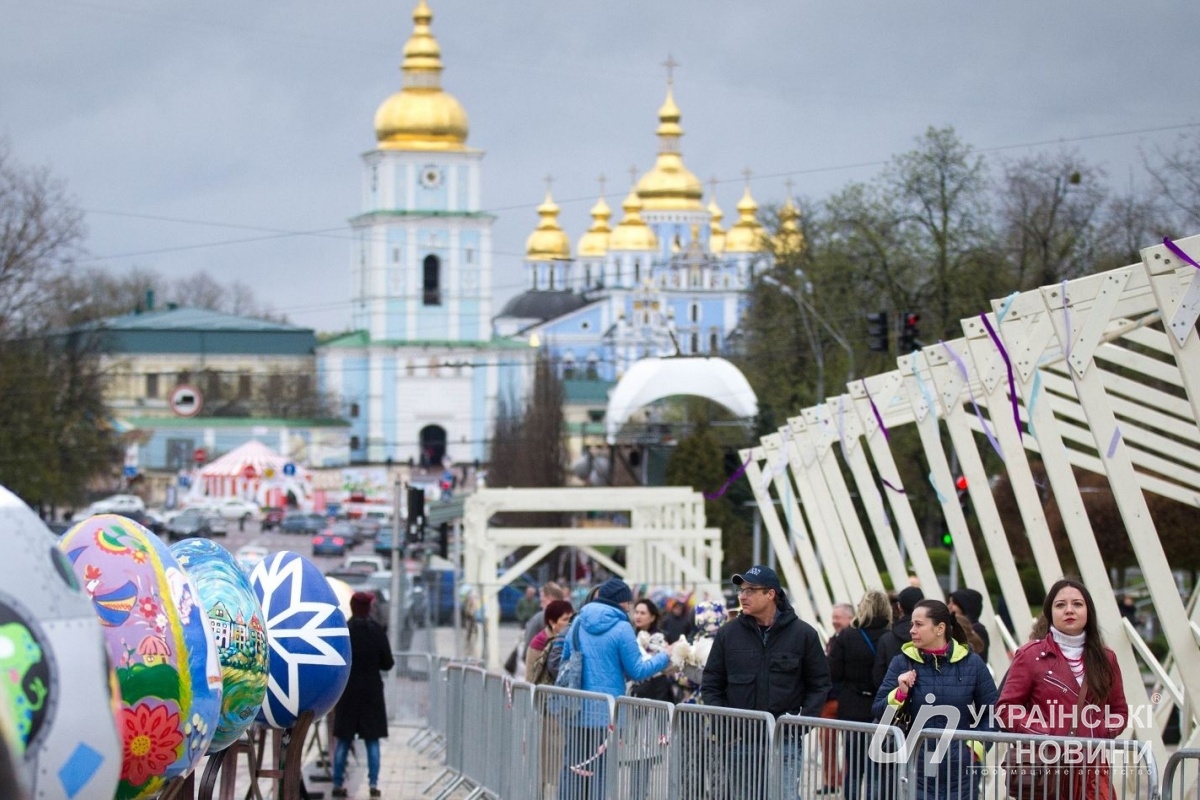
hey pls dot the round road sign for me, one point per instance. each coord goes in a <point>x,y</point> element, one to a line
<point>199,455</point>
<point>186,400</point>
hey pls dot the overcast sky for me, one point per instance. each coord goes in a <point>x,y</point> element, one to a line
<point>225,136</point>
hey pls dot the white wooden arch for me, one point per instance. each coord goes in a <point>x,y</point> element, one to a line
<point>666,543</point>
<point>1100,373</point>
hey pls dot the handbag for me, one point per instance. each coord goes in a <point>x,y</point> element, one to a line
<point>1032,777</point>
<point>570,672</point>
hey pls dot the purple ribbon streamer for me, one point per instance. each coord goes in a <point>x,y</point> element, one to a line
<point>721,492</point>
<point>1177,250</point>
<point>875,410</point>
<point>962,369</point>
<point>1012,381</point>
<point>889,485</point>
<point>1112,444</point>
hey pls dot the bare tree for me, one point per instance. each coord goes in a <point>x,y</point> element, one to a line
<point>40,235</point>
<point>1050,214</point>
<point>1177,173</point>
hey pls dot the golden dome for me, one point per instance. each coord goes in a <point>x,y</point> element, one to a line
<point>746,235</point>
<point>595,241</point>
<point>716,236</point>
<point>669,186</point>
<point>632,233</point>
<point>421,116</point>
<point>549,241</point>
<point>789,240</point>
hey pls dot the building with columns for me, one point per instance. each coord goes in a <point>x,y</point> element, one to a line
<point>420,374</point>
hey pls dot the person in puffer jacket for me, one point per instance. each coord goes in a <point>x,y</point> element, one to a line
<point>611,657</point>
<point>949,687</point>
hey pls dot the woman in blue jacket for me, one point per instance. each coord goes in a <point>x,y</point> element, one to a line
<point>611,657</point>
<point>948,687</point>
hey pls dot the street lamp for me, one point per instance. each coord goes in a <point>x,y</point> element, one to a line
<point>806,308</point>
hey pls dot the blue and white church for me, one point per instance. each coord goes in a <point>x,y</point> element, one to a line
<point>421,372</point>
<point>667,279</point>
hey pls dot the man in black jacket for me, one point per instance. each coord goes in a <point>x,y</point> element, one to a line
<point>767,659</point>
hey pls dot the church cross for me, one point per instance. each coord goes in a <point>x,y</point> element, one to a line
<point>671,64</point>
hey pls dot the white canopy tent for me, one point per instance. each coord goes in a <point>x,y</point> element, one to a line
<point>250,471</point>
<point>652,379</point>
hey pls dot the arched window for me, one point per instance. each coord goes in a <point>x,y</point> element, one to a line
<point>433,445</point>
<point>431,283</point>
<point>695,337</point>
<point>714,342</point>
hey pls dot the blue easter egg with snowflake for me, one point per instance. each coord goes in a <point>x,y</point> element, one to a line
<point>239,633</point>
<point>160,643</point>
<point>57,698</point>
<point>307,636</point>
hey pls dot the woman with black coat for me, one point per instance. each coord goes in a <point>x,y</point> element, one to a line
<point>361,711</point>
<point>851,658</point>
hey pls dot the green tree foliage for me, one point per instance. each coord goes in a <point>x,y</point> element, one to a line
<point>699,461</point>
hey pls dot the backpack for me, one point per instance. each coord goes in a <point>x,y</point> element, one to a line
<point>570,672</point>
<point>544,668</point>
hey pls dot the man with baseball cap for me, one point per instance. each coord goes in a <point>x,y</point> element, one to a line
<point>767,659</point>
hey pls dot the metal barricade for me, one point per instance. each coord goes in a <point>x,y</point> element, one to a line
<point>720,752</point>
<point>572,743</point>
<point>1181,774</point>
<point>407,690</point>
<point>639,752</point>
<point>523,765</point>
<point>431,739</point>
<point>454,732</point>
<point>944,764</point>
<point>497,735</point>
<point>859,760</point>
<point>472,733</point>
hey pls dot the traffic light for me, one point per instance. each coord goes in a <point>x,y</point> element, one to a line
<point>909,332</point>
<point>960,484</point>
<point>947,539</point>
<point>444,540</point>
<point>877,332</point>
<point>416,515</point>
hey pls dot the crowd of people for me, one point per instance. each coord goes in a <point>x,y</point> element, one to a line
<point>900,659</point>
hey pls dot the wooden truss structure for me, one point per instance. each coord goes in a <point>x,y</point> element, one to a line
<point>665,543</point>
<point>1100,373</point>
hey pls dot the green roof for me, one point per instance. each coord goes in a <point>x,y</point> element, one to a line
<point>587,391</point>
<point>198,330</point>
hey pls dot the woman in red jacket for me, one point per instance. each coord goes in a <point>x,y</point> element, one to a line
<point>1067,684</point>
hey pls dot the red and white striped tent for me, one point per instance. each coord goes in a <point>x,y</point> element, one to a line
<point>242,471</point>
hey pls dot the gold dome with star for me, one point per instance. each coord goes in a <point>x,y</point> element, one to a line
<point>594,243</point>
<point>745,235</point>
<point>632,232</point>
<point>789,240</point>
<point>669,186</point>
<point>549,241</point>
<point>421,116</point>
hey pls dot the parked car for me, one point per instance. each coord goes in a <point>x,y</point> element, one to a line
<point>142,518</point>
<point>345,530</point>
<point>217,525</point>
<point>271,518</point>
<point>249,555</point>
<point>327,543</point>
<point>302,522</point>
<point>188,526</point>
<point>116,504</point>
<point>236,508</point>
<point>367,527</point>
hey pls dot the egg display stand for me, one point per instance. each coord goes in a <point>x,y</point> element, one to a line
<point>287,754</point>
<point>224,764</point>
<point>181,788</point>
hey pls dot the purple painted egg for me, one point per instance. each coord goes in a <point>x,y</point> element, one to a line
<point>309,640</point>
<point>160,643</point>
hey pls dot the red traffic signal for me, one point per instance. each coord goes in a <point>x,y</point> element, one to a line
<point>961,483</point>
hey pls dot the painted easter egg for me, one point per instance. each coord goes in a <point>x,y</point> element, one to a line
<point>307,634</point>
<point>57,692</point>
<point>239,633</point>
<point>160,643</point>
